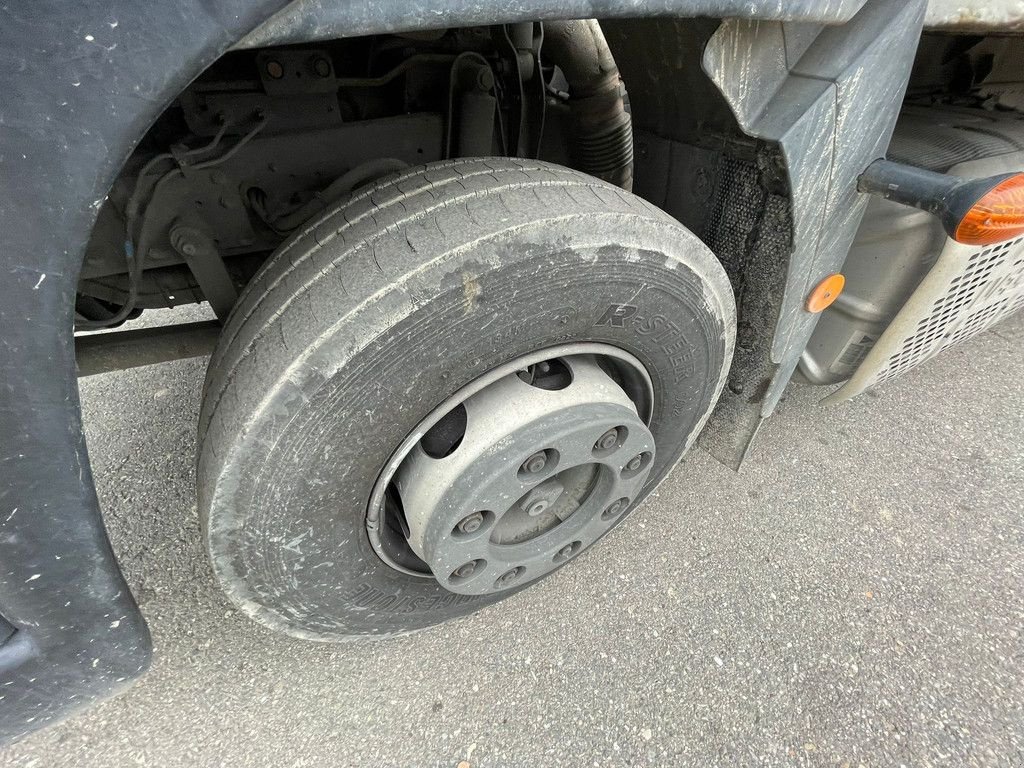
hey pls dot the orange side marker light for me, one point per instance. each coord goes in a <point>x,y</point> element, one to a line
<point>825,293</point>
<point>997,216</point>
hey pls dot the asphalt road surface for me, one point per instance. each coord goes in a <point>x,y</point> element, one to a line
<point>854,596</point>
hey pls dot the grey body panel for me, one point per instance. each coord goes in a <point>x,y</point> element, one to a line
<point>828,97</point>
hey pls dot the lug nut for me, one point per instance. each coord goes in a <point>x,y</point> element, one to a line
<point>567,551</point>
<point>465,571</point>
<point>635,462</point>
<point>535,463</point>
<point>614,509</point>
<point>508,577</point>
<point>471,523</point>
<point>607,440</point>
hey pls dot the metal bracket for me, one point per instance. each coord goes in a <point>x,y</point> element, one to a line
<point>201,254</point>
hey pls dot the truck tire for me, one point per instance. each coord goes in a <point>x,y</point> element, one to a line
<point>393,306</point>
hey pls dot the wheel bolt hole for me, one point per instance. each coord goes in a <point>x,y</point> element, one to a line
<point>568,551</point>
<point>472,524</point>
<point>609,442</point>
<point>508,578</point>
<point>615,509</point>
<point>467,570</point>
<point>538,464</point>
<point>637,464</point>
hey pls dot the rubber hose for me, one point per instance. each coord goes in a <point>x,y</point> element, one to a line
<point>602,142</point>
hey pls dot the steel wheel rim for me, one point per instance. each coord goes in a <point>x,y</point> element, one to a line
<point>633,379</point>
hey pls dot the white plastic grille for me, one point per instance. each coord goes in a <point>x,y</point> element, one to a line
<point>972,303</point>
<point>966,292</point>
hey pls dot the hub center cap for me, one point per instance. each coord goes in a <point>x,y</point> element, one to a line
<point>548,461</point>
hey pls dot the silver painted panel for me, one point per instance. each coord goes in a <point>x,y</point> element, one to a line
<point>305,20</point>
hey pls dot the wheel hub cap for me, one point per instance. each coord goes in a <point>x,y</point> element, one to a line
<point>547,463</point>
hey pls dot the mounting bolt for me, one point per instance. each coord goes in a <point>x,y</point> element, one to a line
<point>465,571</point>
<point>186,240</point>
<point>607,440</point>
<point>535,463</point>
<point>537,508</point>
<point>485,79</point>
<point>567,551</point>
<point>471,523</point>
<point>274,69</point>
<point>635,462</point>
<point>322,67</point>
